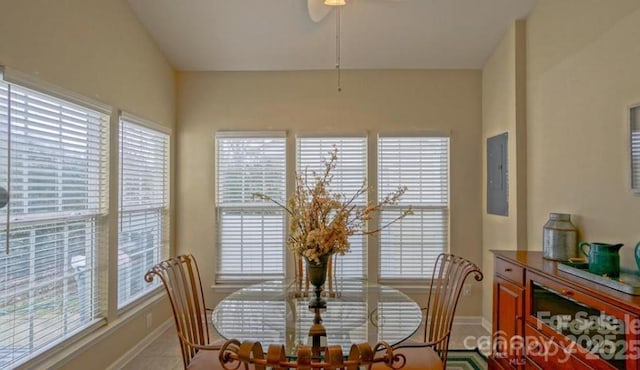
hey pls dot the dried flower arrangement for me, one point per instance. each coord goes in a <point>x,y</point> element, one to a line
<point>322,221</point>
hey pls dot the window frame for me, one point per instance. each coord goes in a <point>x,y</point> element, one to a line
<point>111,318</point>
<point>634,148</point>
<point>101,214</point>
<point>372,253</point>
<point>412,281</point>
<point>230,279</point>
<point>353,136</point>
<point>165,209</point>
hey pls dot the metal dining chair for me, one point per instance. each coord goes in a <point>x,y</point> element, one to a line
<point>449,275</point>
<point>181,279</point>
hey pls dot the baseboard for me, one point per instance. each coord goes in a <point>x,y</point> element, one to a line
<point>486,324</point>
<point>140,346</point>
<point>467,320</point>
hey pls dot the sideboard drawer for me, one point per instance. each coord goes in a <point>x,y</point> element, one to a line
<point>549,354</point>
<point>509,271</point>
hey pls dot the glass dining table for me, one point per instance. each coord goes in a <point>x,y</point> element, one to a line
<point>362,311</point>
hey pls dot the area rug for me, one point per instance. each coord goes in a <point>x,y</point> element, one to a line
<point>466,360</point>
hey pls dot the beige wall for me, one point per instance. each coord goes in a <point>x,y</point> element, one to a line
<point>95,48</point>
<point>583,58</point>
<point>503,110</point>
<point>409,101</point>
<point>581,75</point>
<point>98,49</point>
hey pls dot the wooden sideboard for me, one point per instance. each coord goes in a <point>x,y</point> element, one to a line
<point>544,318</point>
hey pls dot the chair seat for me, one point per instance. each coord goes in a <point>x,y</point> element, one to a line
<point>424,358</point>
<point>205,360</point>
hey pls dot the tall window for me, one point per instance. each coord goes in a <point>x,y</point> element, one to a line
<point>634,117</point>
<point>409,247</point>
<point>348,177</point>
<point>144,206</point>
<point>251,232</point>
<point>53,162</point>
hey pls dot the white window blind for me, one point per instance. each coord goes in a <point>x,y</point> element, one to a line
<point>253,316</point>
<point>409,247</point>
<point>396,319</point>
<point>251,232</point>
<point>55,157</point>
<point>144,200</point>
<point>635,148</point>
<point>348,177</point>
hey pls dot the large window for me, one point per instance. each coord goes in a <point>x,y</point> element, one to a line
<point>55,157</point>
<point>144,200</point>
<point>409,247</point>
<point>404,250</point>
<point>634,117</point>
<point>349,176</point>
<point>53,161</point>
<point>251,232</point>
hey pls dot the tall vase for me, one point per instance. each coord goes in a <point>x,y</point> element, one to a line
<point>317,276</point>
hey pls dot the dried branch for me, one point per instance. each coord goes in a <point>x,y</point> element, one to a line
<point>322,221</point>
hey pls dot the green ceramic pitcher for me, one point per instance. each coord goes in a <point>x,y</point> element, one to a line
<point>603,258</point>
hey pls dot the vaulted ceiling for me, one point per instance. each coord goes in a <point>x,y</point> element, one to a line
<point>264,35</point>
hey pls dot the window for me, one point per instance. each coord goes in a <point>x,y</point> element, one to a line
<point>349,176</point>
<point>53,162</point>
<point>249,314</point>
<point>144,206</point>
<point>409,247</point>
<point>251,232</point>
<point>634,117</point>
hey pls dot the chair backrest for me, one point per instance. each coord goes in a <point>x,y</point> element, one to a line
<point>250,354</point>
<point>181,279</point>
<point>449,275</point>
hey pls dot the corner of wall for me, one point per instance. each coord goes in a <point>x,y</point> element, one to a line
<point>521,131</point>
<point>504,110</point>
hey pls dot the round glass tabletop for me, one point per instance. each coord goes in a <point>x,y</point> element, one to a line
<point>270,312</point>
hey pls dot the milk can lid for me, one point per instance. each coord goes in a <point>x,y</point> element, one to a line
<point>560,216</point>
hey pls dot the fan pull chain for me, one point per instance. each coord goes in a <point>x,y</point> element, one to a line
<point>338,11</point>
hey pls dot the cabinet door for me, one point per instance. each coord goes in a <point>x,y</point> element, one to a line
<point>600,334</point>
<point>508,308</point>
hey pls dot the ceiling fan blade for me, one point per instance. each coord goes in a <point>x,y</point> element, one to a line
<point>317,10</point>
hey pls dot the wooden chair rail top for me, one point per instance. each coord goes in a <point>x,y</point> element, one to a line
<point>233,354</point>
<point>533,260</point>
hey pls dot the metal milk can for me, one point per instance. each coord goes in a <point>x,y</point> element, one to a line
<point>559,238</point>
